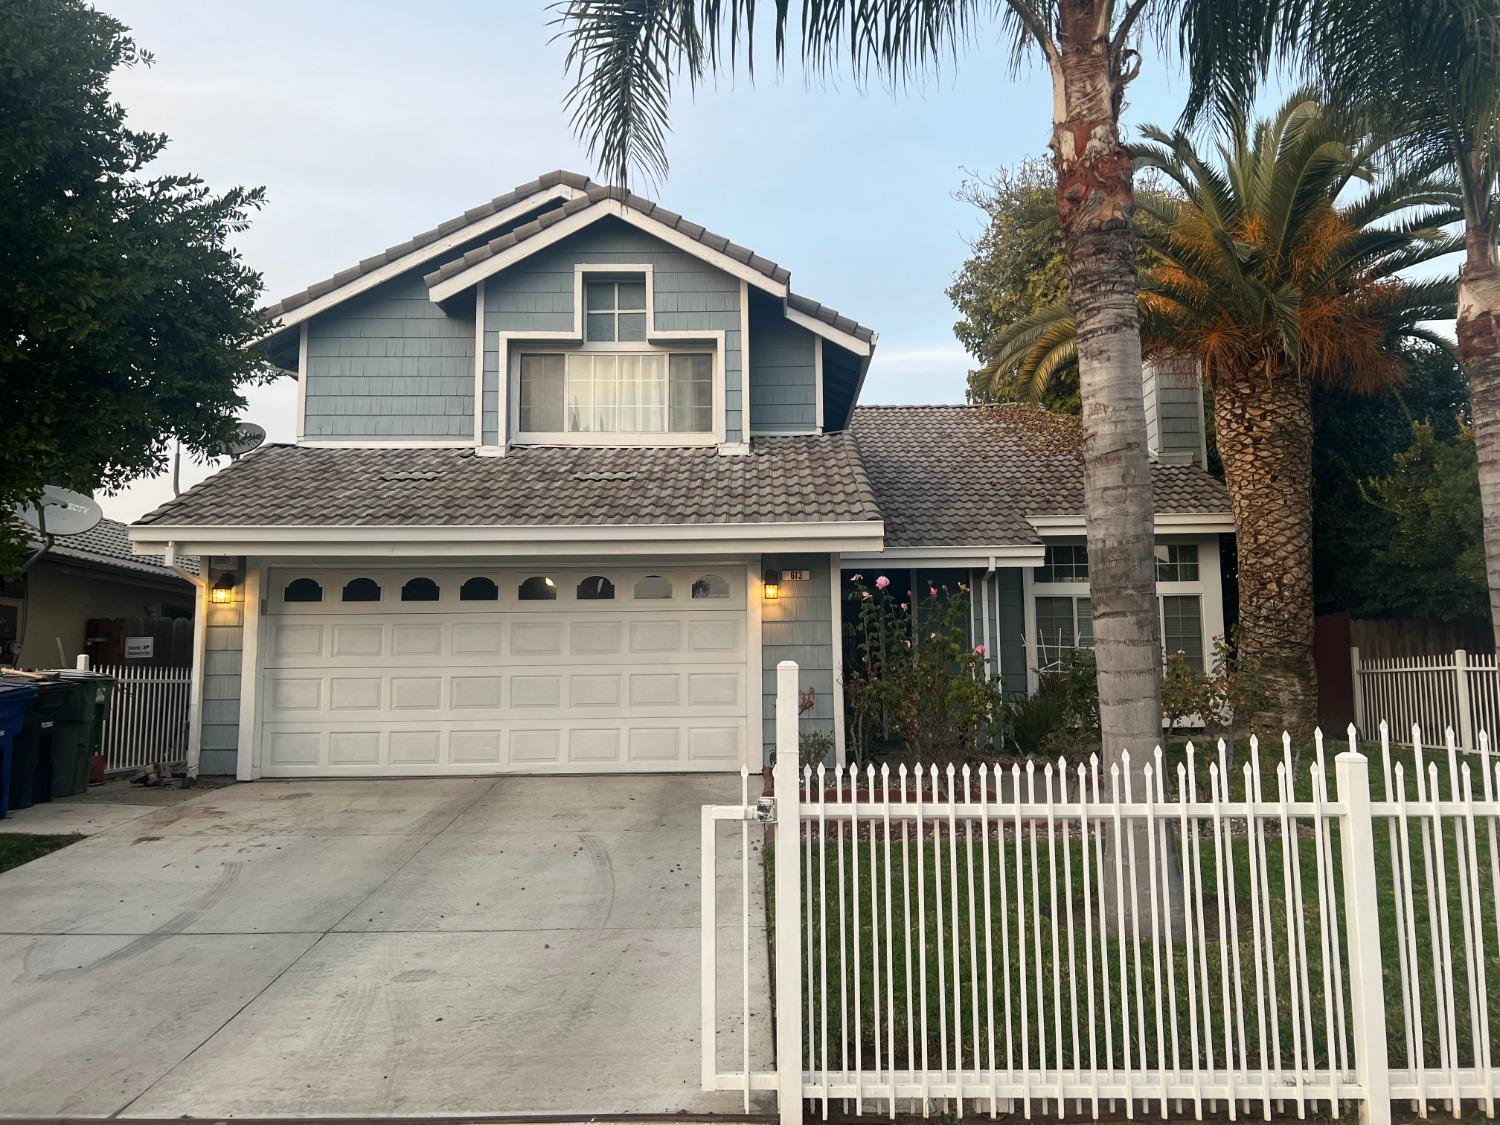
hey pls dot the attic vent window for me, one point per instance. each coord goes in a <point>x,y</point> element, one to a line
<point>619,474</point>
<point>429,475</point>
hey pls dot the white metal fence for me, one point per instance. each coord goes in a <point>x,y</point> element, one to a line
<point>1459,688</point>
<point>148,716</point>
<point>1231,934</point>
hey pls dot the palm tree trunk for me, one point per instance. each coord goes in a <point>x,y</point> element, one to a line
<point>1095,199</point>
<point>1479,352</point>
<point>1263,424</point>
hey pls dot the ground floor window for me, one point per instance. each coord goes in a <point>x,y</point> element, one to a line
<point>1182,627</point>
<point>1062,624</point>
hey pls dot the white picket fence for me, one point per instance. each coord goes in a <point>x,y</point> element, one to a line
<point>148,716</point>
<point>1053,938</point>
<point>1431,692</point>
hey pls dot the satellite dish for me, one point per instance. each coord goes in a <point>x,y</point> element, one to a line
<point>62,512</point>
<point>250,435</point>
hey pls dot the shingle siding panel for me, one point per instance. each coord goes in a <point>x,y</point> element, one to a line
<point>783,392</point>
<point>390,363</point>
<point>798,626</point>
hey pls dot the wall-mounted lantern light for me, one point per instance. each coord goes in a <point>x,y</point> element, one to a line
<point>772,585</point>
<point>222,592</point>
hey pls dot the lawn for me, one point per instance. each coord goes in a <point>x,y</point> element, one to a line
<point>17,848</point>
<point>1011,973</point>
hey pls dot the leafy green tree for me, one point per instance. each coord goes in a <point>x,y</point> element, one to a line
<point>124,311</point>
<point>1357,438</point>
<point>1017,265</point>
<point>1431,560</point>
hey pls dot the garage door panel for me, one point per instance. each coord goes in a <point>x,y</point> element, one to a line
<point>567,686</point>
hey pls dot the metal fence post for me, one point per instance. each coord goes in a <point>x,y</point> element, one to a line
<point>1465,721</point>
<point>788,947</point>
<point>1359,693</point>
<point>1366,986</point>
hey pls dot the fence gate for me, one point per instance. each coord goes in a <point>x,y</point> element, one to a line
<point>1238,933</point>
<point>148,716</point>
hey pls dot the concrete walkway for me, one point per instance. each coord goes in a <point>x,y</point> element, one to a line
<point>409,947</point>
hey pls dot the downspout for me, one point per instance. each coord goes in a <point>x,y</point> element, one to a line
<point>984,604</point>
<point>195,674</point>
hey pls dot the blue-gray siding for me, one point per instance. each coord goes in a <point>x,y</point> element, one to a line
<point>798,626</point>
<point>390,364</point>
<point>536,295</point>
<point>1008,598</point>
<point>1174,409</point>
<point>224,642</point>
<point>783,391</point>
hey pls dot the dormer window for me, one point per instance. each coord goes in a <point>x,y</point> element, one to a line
<point>615,310</point>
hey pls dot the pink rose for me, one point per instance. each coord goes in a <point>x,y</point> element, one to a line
<point>882,582</point>
<point>978,650</point>
<point>865,594</point>
<point>932,591</point>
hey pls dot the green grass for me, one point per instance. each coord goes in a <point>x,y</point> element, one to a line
<point>1048,983</point>
<point>23,847</point>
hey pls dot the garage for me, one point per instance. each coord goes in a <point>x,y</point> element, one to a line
<point>579,669</point>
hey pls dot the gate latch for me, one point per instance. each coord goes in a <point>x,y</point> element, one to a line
<point>765,810</point>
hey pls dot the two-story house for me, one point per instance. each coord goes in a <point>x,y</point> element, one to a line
<point>572,474</point>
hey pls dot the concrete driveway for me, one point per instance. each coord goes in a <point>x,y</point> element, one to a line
<point>404,947</point>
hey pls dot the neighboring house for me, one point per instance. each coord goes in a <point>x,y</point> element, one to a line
<point>79,578</point>
<point>552,458</point>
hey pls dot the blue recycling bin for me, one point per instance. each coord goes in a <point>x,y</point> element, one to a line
<point>15,698</point>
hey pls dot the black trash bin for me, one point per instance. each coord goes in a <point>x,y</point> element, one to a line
<point>52,720</point>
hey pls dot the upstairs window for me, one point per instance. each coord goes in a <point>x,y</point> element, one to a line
<point>616,393</point>
<point>1177,562</point>
<point>614,310</point>
<point>1064,563</point>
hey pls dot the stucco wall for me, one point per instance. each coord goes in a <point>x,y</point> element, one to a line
<point>61,598</point>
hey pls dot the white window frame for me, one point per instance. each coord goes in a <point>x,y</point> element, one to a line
<point>1206,589</point>
<point>709,436</point>
<point>614,280</point>
<point>511,345</point>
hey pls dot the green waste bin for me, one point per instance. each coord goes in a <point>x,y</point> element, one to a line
<point>72,736</point>
<point>98,697</point>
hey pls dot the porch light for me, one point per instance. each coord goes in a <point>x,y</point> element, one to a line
<point>222,592</point>
<point>772,585</point>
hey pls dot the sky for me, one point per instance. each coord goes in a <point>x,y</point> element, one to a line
<point>370,121</point>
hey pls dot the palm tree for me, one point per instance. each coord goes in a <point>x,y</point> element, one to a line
<point>627,55</point>
<point>1271,281</point>
<point>1428,72</point>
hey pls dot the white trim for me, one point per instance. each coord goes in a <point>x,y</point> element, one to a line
<point>846,340</point>
<point>991,657</point>
<point>1167,523</point>
<point>836,590</point>
<point>479,364</point>
<point>1028,629</point>
<point>818,383</point>
<point>387,443</point>
<point>200,656</point>
<point>302,383</point>
<point>586,217</point>
<point>471,541</point>
<point>744,369</point>
<point>247,758</point>
<point>755,714</point>
<point>1211,578</point>
<point>409,261</point>
<point>1010,555</point>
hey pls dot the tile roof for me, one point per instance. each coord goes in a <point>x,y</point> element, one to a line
<point>791,479</point>
<point>426,238</point>
<point>949,476</point>
<point>829,316</point>
<point>107,544</point>
<point>597,193</point>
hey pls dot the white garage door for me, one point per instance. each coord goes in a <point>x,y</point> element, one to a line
<point>378,672</point>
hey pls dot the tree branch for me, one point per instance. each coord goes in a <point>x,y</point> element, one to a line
<point>1032,21</point>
